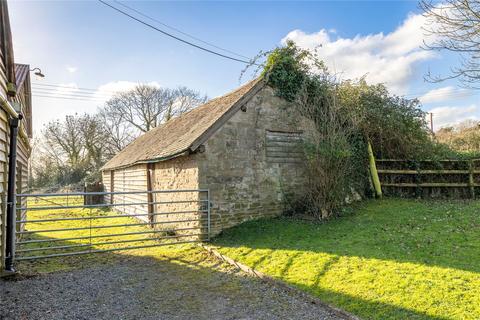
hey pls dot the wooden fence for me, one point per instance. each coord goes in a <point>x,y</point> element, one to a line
<point>430,179</point>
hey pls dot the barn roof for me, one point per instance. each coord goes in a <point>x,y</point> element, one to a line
<point>185,133</point>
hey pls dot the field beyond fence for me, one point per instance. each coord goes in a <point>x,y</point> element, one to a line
<point>430,178</point>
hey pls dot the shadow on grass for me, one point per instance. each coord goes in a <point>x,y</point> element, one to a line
<point>390,259</point>
<point>431,233</point>
<point>158,274</point>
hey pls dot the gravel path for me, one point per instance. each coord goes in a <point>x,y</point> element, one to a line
<point>147,288</point>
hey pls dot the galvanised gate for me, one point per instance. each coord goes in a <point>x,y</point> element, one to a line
<point>62,224</point>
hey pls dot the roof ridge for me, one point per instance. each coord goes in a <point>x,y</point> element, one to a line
<point>183,132</point>
<point>198,108</point>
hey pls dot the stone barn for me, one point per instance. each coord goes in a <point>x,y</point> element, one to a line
<point>244,147</point>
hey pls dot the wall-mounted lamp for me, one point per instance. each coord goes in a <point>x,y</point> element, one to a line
<point>38,72</point>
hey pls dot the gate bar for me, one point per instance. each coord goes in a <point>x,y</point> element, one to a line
<point>98,236</point>
<point>105,227</point>
<point>61,207</point>
<point>98,193</point>
<point>100,251</point>
<point>104,243</point>
<point>126,215</point>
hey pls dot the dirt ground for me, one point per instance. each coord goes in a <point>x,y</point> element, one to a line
<point>149,288</point>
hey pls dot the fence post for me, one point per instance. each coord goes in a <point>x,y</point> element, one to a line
<point>418,189</point>
<point>85,201</point>
<point>374,172</point>
<point>471,181</point>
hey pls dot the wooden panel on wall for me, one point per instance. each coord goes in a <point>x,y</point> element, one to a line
<point>283,147</point>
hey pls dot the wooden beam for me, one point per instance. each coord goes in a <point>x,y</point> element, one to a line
<point>112,185</point>
<point>471,180</point>
<point>427,184</point>
<point>394,171</point>
<point>150,196</point>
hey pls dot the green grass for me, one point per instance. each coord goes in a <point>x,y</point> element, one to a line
<point>389,259</point>
<point>184,253</point>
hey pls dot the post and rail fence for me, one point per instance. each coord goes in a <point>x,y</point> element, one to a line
<point>430,178</point>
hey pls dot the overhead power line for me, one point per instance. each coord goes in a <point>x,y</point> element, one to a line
<point>38,94</point>
<point>34,92</point>
<point>65,98</point>
<point>179,31</point>
<point>60,86</point>
<point>173,36</point>
<point>71,93</point>
<point>56,88</point>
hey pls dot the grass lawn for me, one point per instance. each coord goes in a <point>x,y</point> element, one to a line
<point>179,253</point>
<point>387,259</point>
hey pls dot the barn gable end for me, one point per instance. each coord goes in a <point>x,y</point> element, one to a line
<point>251,162</point>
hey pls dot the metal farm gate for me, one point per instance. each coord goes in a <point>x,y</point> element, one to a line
<point>64,224</point>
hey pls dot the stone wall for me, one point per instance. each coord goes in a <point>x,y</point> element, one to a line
<point>179,174</point>
<point>247,177</point>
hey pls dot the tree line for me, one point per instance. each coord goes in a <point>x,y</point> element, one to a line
<point>72,150</point>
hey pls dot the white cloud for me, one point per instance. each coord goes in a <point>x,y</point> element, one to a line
<point>72,69</point>
<point>384,58</point>
<point>448,116</point>
<point>444,94</point>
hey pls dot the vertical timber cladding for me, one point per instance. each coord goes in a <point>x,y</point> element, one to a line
<point>3,179</point>
<point>132,178</point>
<point>22,179</point>
<point>107,180</point>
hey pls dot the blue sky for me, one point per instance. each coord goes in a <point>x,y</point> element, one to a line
<point>84,44</point>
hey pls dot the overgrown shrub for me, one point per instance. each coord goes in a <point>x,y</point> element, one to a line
<point>339,119</point>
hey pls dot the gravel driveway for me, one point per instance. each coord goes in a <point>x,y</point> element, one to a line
<point>148,288</point>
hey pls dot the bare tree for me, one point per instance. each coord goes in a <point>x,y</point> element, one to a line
<point>95,138</point>
<point>119,133</point>
<point>63,141</point>
<point>145,107</point>
<point>71,150</point>
<point>183,100</point>
<point>454,25</point>
<point>141,107</point>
